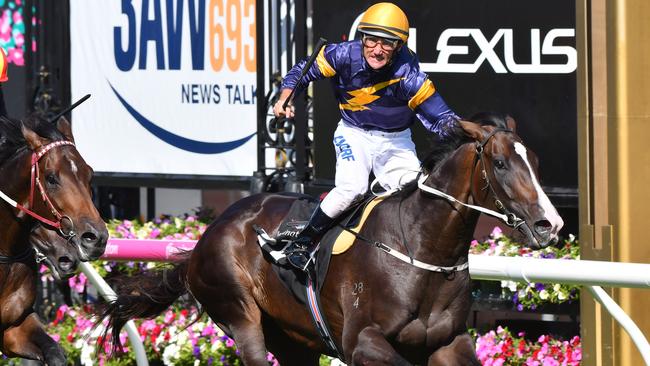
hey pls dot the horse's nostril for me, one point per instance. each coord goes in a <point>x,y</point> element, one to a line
<point>543,227</point>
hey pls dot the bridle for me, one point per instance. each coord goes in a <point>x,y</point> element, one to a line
<point>511,219</point>
<point>35,182</point>
<point>508,217</point>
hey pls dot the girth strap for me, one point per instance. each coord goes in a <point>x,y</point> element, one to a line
<point>313,302</point>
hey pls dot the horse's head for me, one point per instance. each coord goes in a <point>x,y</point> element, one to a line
<point>60,191</point>
<point>505,177</point>
<point>60,255</point>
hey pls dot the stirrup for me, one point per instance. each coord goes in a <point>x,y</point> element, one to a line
<point>301,258</point>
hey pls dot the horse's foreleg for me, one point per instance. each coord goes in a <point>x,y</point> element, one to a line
<point>29,340</point>
<point>373,349</point>
<point>287,351</point>
<point>245,325</point>
<point>460,352</point>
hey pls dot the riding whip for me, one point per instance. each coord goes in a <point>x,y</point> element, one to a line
<point>83,99</point>
<point>321,42</point>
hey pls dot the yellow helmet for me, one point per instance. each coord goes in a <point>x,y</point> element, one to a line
<point>385,20</point>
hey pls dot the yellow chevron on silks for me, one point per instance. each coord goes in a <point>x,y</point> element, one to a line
<point>426,90</point>
<point>345,239</point>
<point>325,68</point>
<point>364,96</point>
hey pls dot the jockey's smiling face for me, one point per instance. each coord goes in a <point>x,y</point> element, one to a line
<point>378,51</point>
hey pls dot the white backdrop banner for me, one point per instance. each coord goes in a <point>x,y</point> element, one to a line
<point>172,82</point>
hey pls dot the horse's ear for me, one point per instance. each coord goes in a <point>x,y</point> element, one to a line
<point>63,125</point>
<point>34,141</point>
<point>473,130</point>
<point>512,125</point>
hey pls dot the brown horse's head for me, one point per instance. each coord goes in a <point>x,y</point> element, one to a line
<point>506,179</point>
<point>60,255</point>
<point>49,178</point>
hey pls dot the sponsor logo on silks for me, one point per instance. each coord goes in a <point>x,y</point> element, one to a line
<point>344,148</point>
<point>183,143</point>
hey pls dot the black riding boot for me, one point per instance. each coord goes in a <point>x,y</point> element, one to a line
<point>301,250</point>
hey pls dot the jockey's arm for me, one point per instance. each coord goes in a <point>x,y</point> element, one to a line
<point>323,67</point>
<point>428,105</point>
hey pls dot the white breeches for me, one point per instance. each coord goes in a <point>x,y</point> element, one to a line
<point>389,155</point>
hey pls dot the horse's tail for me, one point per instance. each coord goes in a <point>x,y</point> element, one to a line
<point>145,295</point>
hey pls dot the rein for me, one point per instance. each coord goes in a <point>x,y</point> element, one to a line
<point>505,215</point>
<point>25,254</point>
<point>36,182</point>
<point>407,259</point>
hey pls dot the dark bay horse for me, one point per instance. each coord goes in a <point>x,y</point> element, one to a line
<point>44,182</point>
<point>382,311</point>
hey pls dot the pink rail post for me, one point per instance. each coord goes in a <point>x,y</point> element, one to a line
<point>147,250</point>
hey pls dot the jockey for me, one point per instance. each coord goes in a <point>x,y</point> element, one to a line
<point>380,89</point>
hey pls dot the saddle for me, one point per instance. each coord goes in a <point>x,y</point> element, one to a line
<point>335,241</point>
<point>306,287</point>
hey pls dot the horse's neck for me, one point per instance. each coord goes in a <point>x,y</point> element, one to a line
<point>15,184</point>
<point>445,238</point>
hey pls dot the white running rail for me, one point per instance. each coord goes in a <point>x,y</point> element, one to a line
<point>592,274</point>
<point>107,293</point>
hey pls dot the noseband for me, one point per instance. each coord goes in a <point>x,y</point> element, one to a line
<point>511,219</point>
<point>35,182</point>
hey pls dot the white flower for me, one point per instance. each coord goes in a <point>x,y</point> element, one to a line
<point>336,362</point>
<point>510,285</point>
<point>572,238</point>
<point>543,294</point>
<point>561,296</point>
<point>183,338</point>
<point>86,357</point>
<point>170,354</point>
<point>197,362</point>
<point>556,287</point>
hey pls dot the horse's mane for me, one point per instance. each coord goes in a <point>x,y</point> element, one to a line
<point>443,147</point>
<point>11,137</point>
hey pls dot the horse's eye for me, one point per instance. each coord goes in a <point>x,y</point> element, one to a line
<point>52,179</point>
<point>499,164</point>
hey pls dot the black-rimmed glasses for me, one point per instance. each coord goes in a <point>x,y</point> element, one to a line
<point>386,44</point>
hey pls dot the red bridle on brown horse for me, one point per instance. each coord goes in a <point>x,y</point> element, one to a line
<point>35,182</point>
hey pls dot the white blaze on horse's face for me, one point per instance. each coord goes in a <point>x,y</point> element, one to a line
<point>73,166</point>
<point>550,213</point>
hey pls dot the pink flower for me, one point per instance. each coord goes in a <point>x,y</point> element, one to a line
<point>230,342</point>
<point>16,57</point>
<point>154,233</point>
